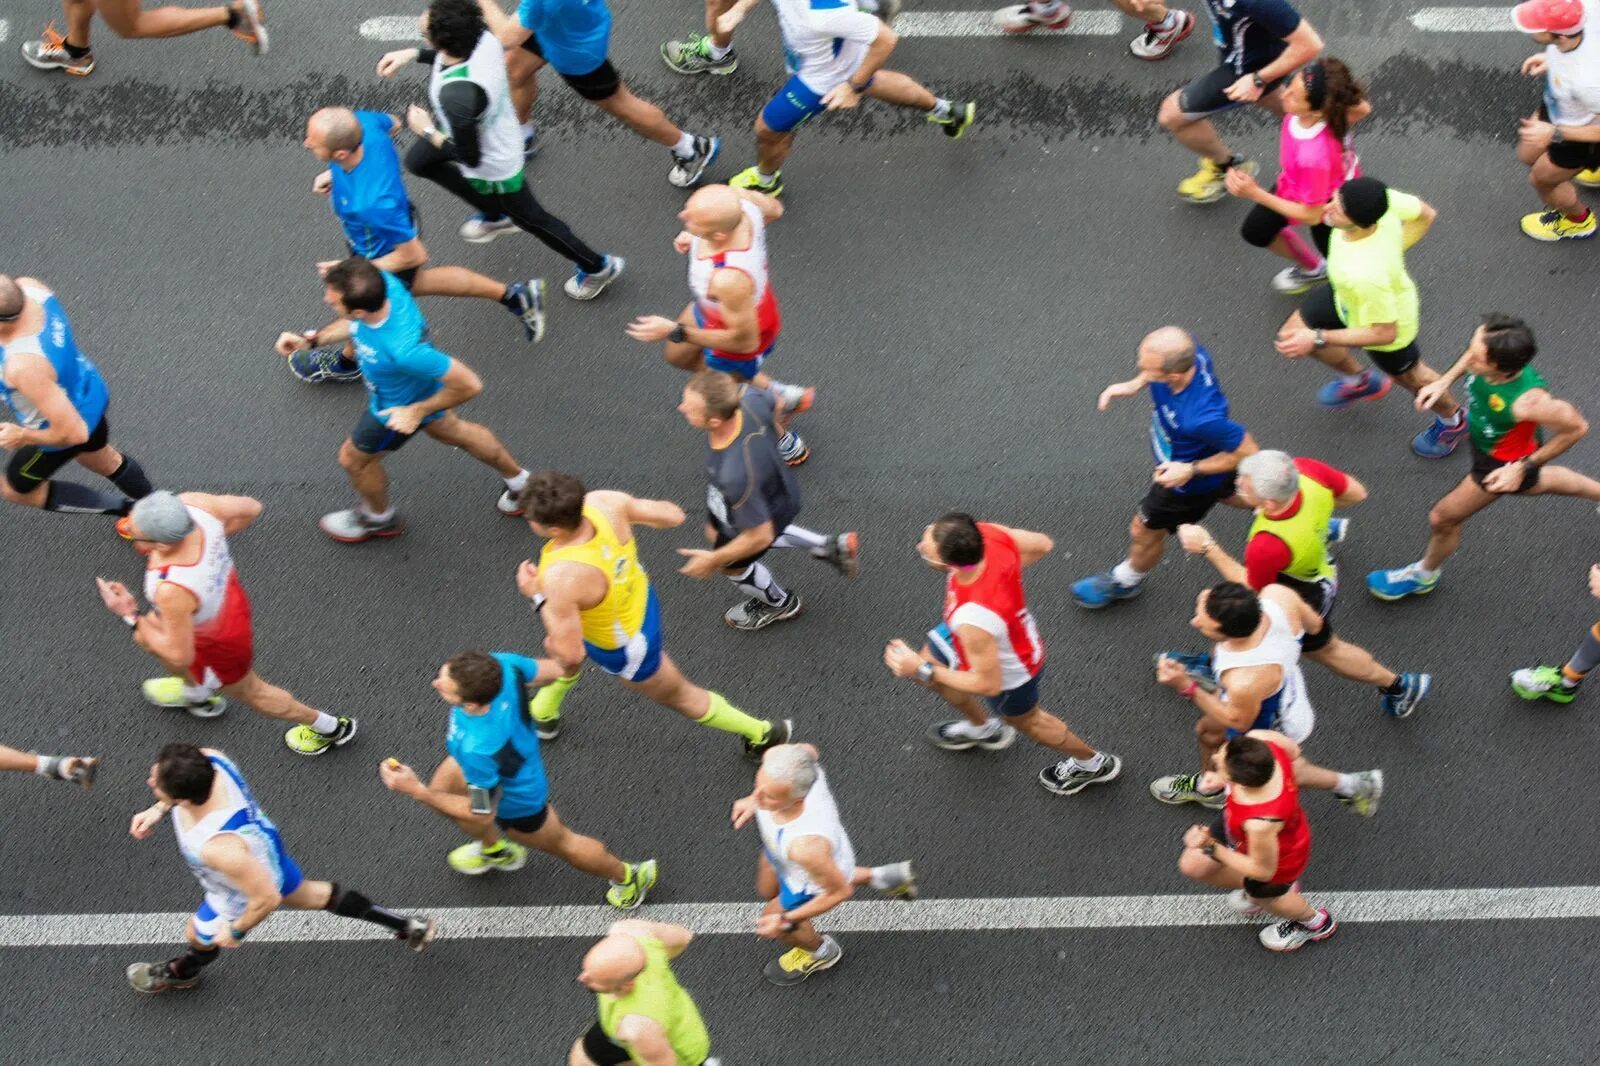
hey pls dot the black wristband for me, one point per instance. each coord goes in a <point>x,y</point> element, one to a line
<point>679,334</point>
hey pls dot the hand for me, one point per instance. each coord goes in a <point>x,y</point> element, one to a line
<point>683,242</point>
<point>1431,393</point>
<point>1198,836</point>
<point>1295,343</point>
<point>12,436</point>
<point>649,328</point>
<point>1170,672</point>
<point>744,809</point>
<point>1171,475</point>
<point>901,660</point>
<point>1536,133</point>
<point>398,777</point>
<point>1240,184</point>
<point>1117,391</point>
<point>74,763</point>
<point>115,595</point>
<point>1194,539</point>
<point>1535,66</point>
<point>402,419</point>
<point>701,564</point>
<point>1594,581</point>
<point>528,579</point>
<point>841,97</point>
<point>289,343</point>
<point>145,821</point>
<point>769,926</point>
<point>393,61</point>
<point>1245,90</point>
<point>322,184</point>
<point>419,121</point>
<point>1506,478</point>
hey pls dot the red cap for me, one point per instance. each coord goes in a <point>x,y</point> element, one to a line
<point>1549,16</point>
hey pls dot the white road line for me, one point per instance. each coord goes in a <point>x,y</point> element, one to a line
<point>1464,20</point>
<point>5,30</point>
<point>877,916</point>
<point>391,28</point>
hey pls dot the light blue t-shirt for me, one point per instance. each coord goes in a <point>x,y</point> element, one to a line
<point>398,364</point>
<point>499,749</point>
<point>78,377</point>
<point>371,199</point>
<point>573,35</point>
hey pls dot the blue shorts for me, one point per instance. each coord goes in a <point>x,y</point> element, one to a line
<point>1011,702</point>
<point>213,912</point>
<point>372,436</point>
<point>789,900</point>
<point>793,105</point>
<point>745,369</point>
<point>640,658</point>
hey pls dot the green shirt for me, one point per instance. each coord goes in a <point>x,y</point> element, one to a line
<point>657,995</point>
<point>1495,430</point>
<point>1369,279</point>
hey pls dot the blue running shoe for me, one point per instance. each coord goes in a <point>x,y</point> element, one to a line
<point>1196,666</point>
<point>530,144</point>
<point>1414,689</point>
<point>1338,394</point>
<point>1338,529</point>
<point>1439,439</point>
<point>316,365</point>
<point>1398,584</point>
<point>1102,590</point>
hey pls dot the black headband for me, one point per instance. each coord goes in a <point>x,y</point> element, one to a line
<point>1316,85</point>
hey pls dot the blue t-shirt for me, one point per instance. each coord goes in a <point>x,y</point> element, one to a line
<point>398,364</point>
<point>1192,425</point>
<point>75,374</point>
<point>499,749</point>
<point>1251,33</point>
<point>572,34</point>
<point>371,199</point>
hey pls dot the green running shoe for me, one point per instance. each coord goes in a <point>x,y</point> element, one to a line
<point>956,123</point>
<point>304,740</point>
<point>750,178</point>
<point>1543,683</point>
<point>168,692</point>
<point>475,860</point>
<point>693,56</point>
<point>630,893</point>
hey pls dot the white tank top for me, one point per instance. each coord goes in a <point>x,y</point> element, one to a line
<point>499,134</point>
<point>1287,710</point>
<point>751,259</point>
<point>819,818</point>
<point>239,815</point>
<point>209,578</point>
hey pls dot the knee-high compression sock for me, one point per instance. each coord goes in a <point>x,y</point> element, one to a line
<point>801,537</point>
<point>757,581</point>
<point>730,719</point>
<point>1585,659</point>
<point>80,499</point>
<point>129,477</point>
<point>348,903</point>
<point>191,962</point>
<point>1303,253</point>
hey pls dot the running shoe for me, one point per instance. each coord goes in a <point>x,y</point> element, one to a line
<point>354,526</point>
<point>1102,590</point>
<point>793,399</point>
<point>1543,683</point>
<point>1156,43</point>
<point>530,144</point>
<point>1554,226</point>
<point>1439,439</point>
<point>956,122</point>
<point>545,706</point>
<point>903,882</point>
<point>1185,788</point>
<point>419,933</point>
<point>1292,936</point>
<point>509,504</point>
<point>750,178</point>
<point>844,554</point>
<point>958,736</point>
<point>49,52</point>
<point>1338,530</point>
<point>1067,778</point>
<point>1023,18</point>
<point>779,732</point>
<point>328,363</point>
<point>1588,178</point>
<point>1338,394</point>
<point>1369,790</point>
<point>481,229</point>
<point>792,449</point>
<point>796,964</point>
<point>251,25</point>
<point>307,741</point>
<point>1398,584</point>
<point>582,286</point>
<point>685,172</point>
<point>1206,185</point>
<point>527,303</point>
<point>756,613</point>
<point>693,56</point>
<point>1197,667</point>
<point>1414,689</point>
<point>168,692</point>
<point>153,977</point>
<point>1292,281</point>
<point>475,860</point>
<point>630,893</point>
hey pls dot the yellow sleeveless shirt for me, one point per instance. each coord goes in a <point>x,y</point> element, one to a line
<point>612,622</point>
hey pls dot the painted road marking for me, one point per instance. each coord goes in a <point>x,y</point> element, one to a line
<point>5,30</point>
<point>876,916</point>
<point>1464,20</point>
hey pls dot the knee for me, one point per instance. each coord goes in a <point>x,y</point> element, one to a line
<point>1142,533</point>
<point>9,493</point>
<point>1171,115</point>
<point>1441,522</point>
<point>353,459</point>
<point>1209,732</point>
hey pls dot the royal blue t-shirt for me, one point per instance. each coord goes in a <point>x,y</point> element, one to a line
<point>499,749</point>
<point>1192,425</point>
<point>572,34</point>
<point>398,364</point>
<point>371,199</point>
<point>1250,33</point>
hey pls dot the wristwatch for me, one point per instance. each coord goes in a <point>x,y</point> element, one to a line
<point>1556,136</point>
<point>678,334</point>
<point>1321,338</point>
<point>925,673</point>
<point>1257,79</point>
<point>788,925</point>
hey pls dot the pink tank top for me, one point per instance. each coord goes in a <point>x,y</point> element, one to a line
<point>1313,162</point>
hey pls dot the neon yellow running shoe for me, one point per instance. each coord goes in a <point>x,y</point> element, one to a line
<point>168,692</point>
<point>796,964</point>
<point>1206,185</point>
<point>630,893</point>
<point>750,178</point>
<point>1554,226</point>
<point>474,859</point>
<point>304,740</point>
<point>1591,178</point>
<point>546,706</point>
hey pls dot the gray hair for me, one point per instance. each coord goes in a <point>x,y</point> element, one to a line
<point>1175,347</point>
<point>794,766</point>
<point>1273,475</point>
<point>161,517</point>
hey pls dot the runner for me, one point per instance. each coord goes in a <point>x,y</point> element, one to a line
<point>752,500</point>
<point>835,55</point>
<point>1560,144</point>
<point>198,625</point>
<point>59,400</point>
<point>597,601</point>
<point>989,646</point>
<point>237,855</point>
<point>1559,684</point>
<point>1197,445</point>
<point>807,865</point>
<point>411,386</point>
<point>1289,545</point>
<point>367,192</point>
<point>470,145</point>
<point>733,321</point>
<point>1260,43</point>
<point>492,785</point>
<point>1164,27</point>
<point>712,52</point>
<point>1258,685</point>
<point>1509,409</point>
<point>128,19</point>
<point>1262,844</point>
<point>645,1015</point>
<point>1316,155</point>
<point>78,769</point>
<point>1371,302</point>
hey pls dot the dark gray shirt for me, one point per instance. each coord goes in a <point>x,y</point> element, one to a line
<point>747,483</point>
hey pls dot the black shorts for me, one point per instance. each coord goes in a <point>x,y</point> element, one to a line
<point>1163,508</point>
<point>1320,311</point>
<point>1572,155</point>
<point>31,466</point>
<point>601,83</point>
<point>1483,463</point>
<point>372,436</point>
<point>1262,226</point>
<point>1265,889</point>
<point>1208,94</point>
<point>1319,596</point>
<point>527,823</point>
<point>601,1049</point>
<point>723,537</point>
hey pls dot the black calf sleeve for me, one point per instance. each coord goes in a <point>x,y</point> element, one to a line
<point>348,903</point>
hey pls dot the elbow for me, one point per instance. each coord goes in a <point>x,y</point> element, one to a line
<point>1580,426</point>
<point>271,901</point>
<point>78,434</point>
<point>1046,545</point>
<point>1385,333</point>
<point>887,39</point>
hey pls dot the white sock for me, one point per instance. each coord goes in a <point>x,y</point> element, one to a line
<point>196,693</point>
<point>757,581</point>
<point>518,483</point>
<point>326,724</point>
<point>1124,573</point>
<point>1168,23</point>
<point>966,729</point>
<point>685,146</point>
<point>374,515</point>
<point>941,108</point>
<point>1423,572</point>
<point>527,130</point>
<point>868,6</point>
<point>1455,419</point>
<point>1091,764</point>
<point>886,876</point>
<point>1048,8</point>
<point>829,948</point>
<point>1354,380</point>
<point>1346,787</point>
<point>764,178</point>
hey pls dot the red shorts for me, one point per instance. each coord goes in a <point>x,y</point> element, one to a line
<point>222,662</point>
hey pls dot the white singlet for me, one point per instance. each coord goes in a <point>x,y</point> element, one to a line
<point>241,816</point>
<point>752,259</point>
<point>209,578</point>
<point>499,134</point>
<point>824,41</point>
<point>1287,710</point>
<point>819,818</point>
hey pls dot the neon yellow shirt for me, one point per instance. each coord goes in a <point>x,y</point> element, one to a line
<point>657,995</point>
<point>1369,278</point>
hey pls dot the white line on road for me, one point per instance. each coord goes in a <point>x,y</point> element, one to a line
<point>5,30</point>
<point>877,916</point>
<point>391,28</point>
<point>1464,20</point>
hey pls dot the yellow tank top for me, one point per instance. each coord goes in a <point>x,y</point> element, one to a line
<point>657,995</point>
<point>612,622</point>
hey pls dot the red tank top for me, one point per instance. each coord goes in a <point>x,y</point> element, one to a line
<point>1294,840</point>
<point>995,604</point>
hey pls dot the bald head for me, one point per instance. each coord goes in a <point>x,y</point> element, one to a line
<point>11,298</point>
<point>612,963</point>
<point>334,129</point>
<point>1168,350</point>
<point>712,209</point>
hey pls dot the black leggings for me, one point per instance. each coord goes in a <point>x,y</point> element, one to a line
<point>1262,225</point>
<point>426,161</point>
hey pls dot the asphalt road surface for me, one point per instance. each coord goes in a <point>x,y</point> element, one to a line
<point>959,306</point>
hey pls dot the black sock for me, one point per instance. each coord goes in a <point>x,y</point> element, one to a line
<point>75,51</point>
<point>348,903</point>
<point>129,477</point>
<point>191,962</point>
<point>80,499</point>
<point>508,299</point>
<point>1395,689</point>
<point>1233,161</point>
<point>233,17</point>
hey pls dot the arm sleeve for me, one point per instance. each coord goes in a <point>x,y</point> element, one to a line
<point>1336,481</point>
<point>463,104</point>
<point>1404,205</point>
<point>1276,16</point>
<point>1265,556</point>
<point>838,19</point>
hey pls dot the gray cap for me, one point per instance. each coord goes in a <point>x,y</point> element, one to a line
<point>161,517</point>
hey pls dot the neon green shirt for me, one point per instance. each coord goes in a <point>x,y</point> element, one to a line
<point>1369,278</point>
<point>657,995</point>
